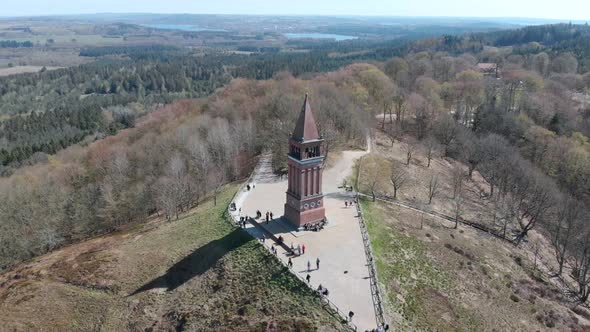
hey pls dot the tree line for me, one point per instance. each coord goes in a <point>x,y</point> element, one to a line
<point>526,132</point>
<point>15,44</point>
<point>167,161</point>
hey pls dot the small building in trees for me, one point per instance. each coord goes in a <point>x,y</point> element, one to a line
<point>489,69</point>
<point>305,203</point>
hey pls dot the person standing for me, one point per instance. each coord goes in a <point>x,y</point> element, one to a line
<point>317,263</point>
<point>308,266</point>
<point>308,278</point>
<point>350,315</point>
<point>298,250</point>
<point>271,216</point>
<point>290,263</point>
<point>303,249</point>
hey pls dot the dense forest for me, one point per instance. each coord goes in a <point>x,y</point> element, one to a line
<point>149,76</point>
<point>524,128</point>
<point>51,110</point>
<point>14,44</point>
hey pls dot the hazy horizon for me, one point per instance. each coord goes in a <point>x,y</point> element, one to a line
<point>574,10</point>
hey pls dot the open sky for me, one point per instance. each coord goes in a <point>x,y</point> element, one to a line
<point>554,9</point>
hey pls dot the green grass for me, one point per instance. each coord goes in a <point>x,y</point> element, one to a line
<point>401,257</point>
<point>415,287</point>
<point>247,289</point>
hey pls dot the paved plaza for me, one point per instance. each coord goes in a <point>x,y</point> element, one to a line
<point>339,246</point>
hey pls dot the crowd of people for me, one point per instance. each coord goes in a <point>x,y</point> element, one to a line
<point>380,329</point>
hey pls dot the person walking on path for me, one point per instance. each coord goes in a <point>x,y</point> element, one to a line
<point>308,266</point>
<point>267,216</point>
<point>290,263</point>
<point>317,263</point>
<point>345,203</point>
<point>350,315</point>
<point>292,248</point>
<point>303,249</point>
<point>299,250</point>
<point>271,216</point>
<point>308,278</point>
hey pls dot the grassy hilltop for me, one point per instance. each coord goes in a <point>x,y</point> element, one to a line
<point>196,273</point>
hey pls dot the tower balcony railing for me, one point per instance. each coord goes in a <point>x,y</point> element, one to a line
<point>298,157</point>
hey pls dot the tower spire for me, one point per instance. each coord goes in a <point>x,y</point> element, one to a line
<point>306,128</point>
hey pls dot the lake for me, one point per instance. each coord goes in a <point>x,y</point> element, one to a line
<point>315,35</point>
<point>183,27</point>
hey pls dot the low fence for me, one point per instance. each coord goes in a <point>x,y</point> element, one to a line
<point>460,220</point>
<point>375,290</point>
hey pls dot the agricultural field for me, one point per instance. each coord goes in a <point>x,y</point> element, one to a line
<point>23,69</point>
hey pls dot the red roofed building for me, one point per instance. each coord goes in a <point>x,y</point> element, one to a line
<point>305,203</point>
<point>488,69</point>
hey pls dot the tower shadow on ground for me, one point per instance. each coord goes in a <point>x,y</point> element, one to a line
<point>197,263</point>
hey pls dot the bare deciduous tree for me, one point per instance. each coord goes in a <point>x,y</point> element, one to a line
<point>374,170</point>
<point>471,151</point>
<point>394,132</point>
<point>535,196</point>
<point>409,148</point>
<point>433,188</point>
<point>398,178</point>
<point>457,178</point>
<point>446,131</point>
<point>458,208</point>
<point>581,265</point>
<point>568,213</point>
<point>430,147</point>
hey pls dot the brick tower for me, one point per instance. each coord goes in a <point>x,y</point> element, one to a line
<point>305,204</point>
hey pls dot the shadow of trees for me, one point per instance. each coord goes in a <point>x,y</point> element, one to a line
<point>198,262</point>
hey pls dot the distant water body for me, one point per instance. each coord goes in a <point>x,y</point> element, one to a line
<point>315,35</point>
<point>183,27</point>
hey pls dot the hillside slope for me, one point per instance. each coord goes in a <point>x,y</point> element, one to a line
<point>440,278</point>
<point>197,273</point>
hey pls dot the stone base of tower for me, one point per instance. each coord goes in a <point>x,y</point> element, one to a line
<point>300,218</point>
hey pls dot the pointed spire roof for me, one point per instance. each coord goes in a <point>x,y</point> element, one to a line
<point>306,128</point>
